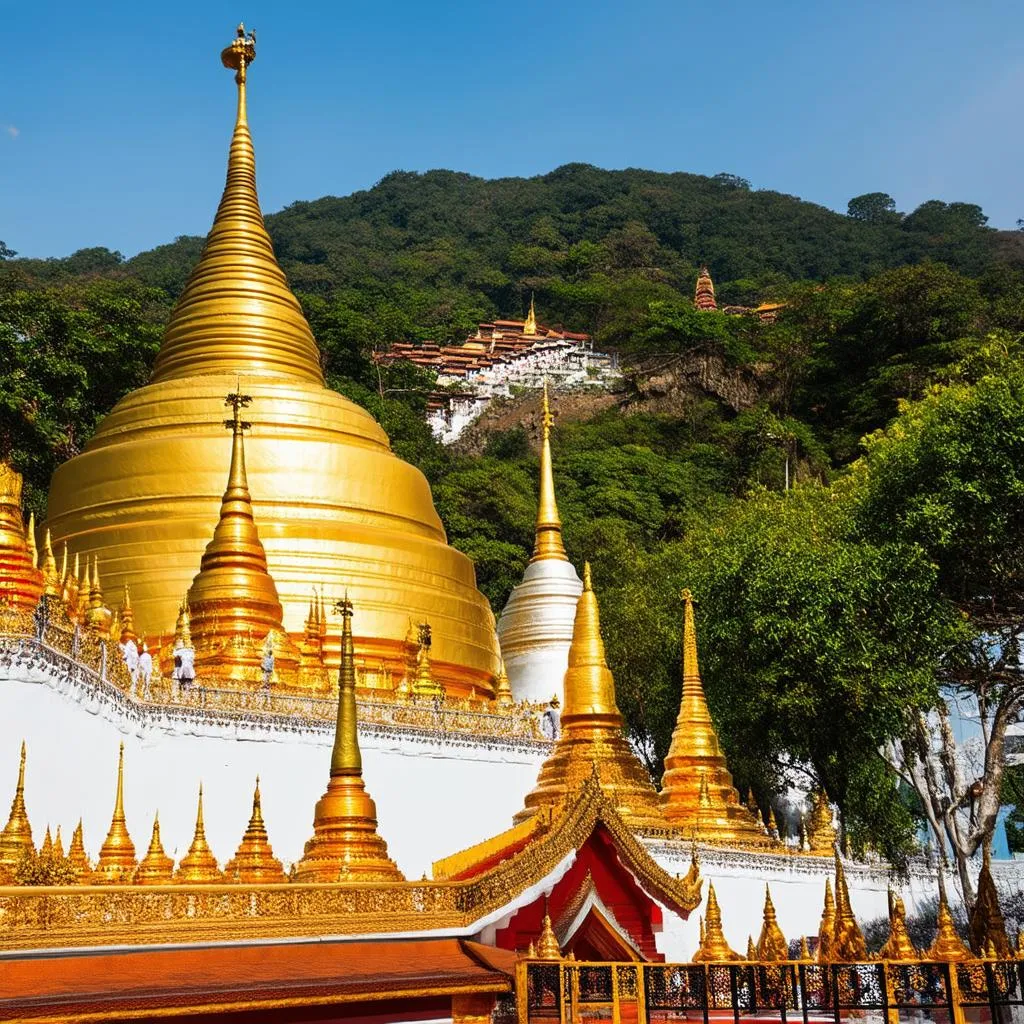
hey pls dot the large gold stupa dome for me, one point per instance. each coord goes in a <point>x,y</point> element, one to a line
<point>335,507</point>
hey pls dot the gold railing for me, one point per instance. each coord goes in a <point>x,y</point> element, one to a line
<point>572,992</point>
<point>101,671</point>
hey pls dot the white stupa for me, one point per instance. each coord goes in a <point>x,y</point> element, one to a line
<point>535,626</point>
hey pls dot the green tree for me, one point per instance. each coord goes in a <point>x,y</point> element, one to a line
<point>873,208</point>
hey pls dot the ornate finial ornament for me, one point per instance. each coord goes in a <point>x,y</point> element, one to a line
<point>899,945</point>
<point>254,862</point>
<point>771,945</point>
<point>548,537</point>
<point>199,866</point>
<point>591,738</point>
<point>345,846</point>
<point>697,793</point>
<point>156,868</point>
<point>116,863</point>
<point>547,943</point>
<point>713,947</point>
<point>240,54</point>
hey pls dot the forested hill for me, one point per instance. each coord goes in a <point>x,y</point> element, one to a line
<point>429,255</point>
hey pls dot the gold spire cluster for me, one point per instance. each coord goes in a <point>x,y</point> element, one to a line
<point>236,308</point>
<point>345,845</point>
<point>697,794</point>
<point>713,946</point>
<point>21,582</point>
<point>592,739</point>
<point>548,540</point>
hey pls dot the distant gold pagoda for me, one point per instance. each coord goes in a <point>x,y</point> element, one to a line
<point>592,733</point>
<point>697,794</point>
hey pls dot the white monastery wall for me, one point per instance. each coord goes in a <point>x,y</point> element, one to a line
<point>434,797</point>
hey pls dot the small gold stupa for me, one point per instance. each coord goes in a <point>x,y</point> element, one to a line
<point>156,868</point>
<point>592,738</point>
<point>713,946</point>
<point>345,846</point>
<point>16,838</point>
<point>116,862</point>
<point>254,861</point>
<point>334,503</point>
<point>697,794</point>
<point>199,866</point>
<point>771,944</point>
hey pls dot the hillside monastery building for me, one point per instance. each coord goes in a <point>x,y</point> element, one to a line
<point>270,755</point>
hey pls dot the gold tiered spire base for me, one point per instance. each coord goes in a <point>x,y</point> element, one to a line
<point>254,861</point>
<point>948,946</point>
<point>116,863</point>
<point>592,739</point>
<point>697,794</point>
<point>345,846</point>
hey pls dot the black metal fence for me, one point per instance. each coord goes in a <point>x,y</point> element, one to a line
<point>879,992</point>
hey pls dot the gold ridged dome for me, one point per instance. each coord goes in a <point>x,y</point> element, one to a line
<point>334,505</point>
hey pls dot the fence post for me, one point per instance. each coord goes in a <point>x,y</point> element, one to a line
<point>956,1009</point>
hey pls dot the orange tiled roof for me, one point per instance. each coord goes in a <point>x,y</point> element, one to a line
<point>162,982</point>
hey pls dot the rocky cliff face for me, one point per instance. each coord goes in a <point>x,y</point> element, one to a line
<point>661,384</point>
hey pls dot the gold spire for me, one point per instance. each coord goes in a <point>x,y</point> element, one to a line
<point>46,850</point>
<point>16,838</point>
<point>695,763</point>
<point>117,854</point>
<point>848,944</point>
<point>805,951</point>
<point>502,688</point>
<point>233,597</point>
<point>987,924</point>
<point>772,944</point>
<point>548,540</point>
<point>51,575</point>
<point>547,943</point>
<point>424,684</point>
<point>98,617</point>
<point>198,866</point>
<point>156,868</point>
<point>751,949</point>
<point>821,833</point>
<point>58,845</point>
<point>236,308</point>
<point>704,293</point>
<point>254,861</point>
<point>345,846</point>
<point>592,739</point>
<point>948,945</point>
<point>127,616</point>
<point>713,947</point>
<point>21,583</point>
<point>30,540</point>
<point>77,856</point>
<point>827,927</point>
<point>530,324</point>
<point>183,627</point>
<point>899,945</point>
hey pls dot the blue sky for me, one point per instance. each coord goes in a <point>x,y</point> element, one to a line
<point>114,118</point>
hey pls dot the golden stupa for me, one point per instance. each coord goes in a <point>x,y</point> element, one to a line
<point>335,506</point>
<point>697,793</point>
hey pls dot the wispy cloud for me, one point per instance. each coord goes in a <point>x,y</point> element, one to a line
<point>13,130</point>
